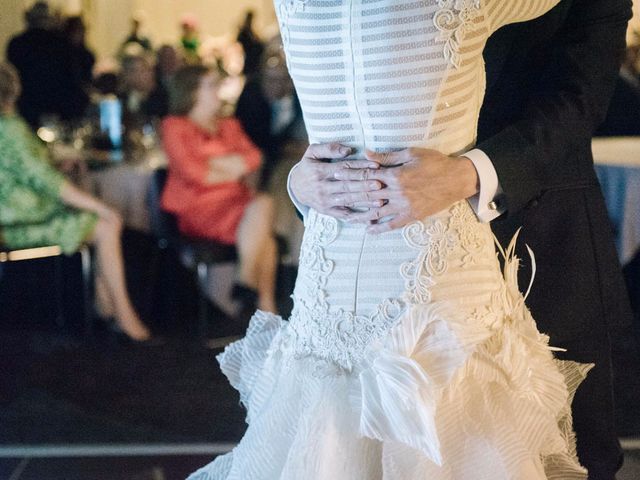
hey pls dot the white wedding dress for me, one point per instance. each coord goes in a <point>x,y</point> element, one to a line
<point>408,355</point>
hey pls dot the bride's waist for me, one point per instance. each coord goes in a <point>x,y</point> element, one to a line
<point>353,270</point>
<point>454,232</point>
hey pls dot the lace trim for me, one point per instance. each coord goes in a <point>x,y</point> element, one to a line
<point>454,19</point>
<point>437,239</point>
<point>339,337</point>
<point>342,337</point>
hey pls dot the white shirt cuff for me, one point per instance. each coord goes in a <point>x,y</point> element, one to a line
<point>485,202</point>
<point>303,209</point>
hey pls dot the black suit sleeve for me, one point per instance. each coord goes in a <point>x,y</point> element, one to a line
<point>558,120</point>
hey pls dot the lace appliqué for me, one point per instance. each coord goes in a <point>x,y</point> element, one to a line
<point>435,243</point>
<point>454,19</point>
<point>341,337</point>
<point>440,241</point>
<point>470,240</point>
<point>337,338</point>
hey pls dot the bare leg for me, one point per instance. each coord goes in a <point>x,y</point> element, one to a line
<point>111,268</point>
<point>104,302</point>
<point>258,252</point>
<point>267,277</point>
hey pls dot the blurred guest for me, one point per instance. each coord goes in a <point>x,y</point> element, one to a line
<point>190,39</point>
<point>251,44</point>
<point>135,38</point>
<point>82,62</point>
<point>211,161</point>
<point>40,208</point>
<point>106,83</point>
<point>43,60</point>
<point>269,111</point>
<point>168,62</point>
<point>141,100</point>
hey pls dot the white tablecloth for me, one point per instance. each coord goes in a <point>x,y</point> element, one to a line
<point>617,162</point>
<point>124,187</point>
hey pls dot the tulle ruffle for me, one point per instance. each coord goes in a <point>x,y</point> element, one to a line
<point>444,396</point>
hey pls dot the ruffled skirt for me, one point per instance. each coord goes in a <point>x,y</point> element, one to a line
<point>439,398</point>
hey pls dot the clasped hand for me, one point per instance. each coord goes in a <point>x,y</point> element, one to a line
<point>226,168</point>
<point>385,190</point>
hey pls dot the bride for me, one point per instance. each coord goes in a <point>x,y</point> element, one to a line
<point>409,354</point>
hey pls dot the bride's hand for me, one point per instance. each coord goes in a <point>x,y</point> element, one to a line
<point>422,182</point>
<point>314,181</point>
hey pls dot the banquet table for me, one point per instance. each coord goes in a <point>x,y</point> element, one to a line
<point>123,185</point>
<point>617,161</point>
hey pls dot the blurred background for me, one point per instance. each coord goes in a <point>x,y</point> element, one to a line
<point>113,308</point>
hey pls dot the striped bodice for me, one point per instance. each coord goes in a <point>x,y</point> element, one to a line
<point>389,74</point>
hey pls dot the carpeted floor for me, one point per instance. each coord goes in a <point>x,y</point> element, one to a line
<point>59,387</point>
<point>80,393</point>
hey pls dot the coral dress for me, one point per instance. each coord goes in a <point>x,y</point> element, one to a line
<point>409,355</point>
<point>205,210</point>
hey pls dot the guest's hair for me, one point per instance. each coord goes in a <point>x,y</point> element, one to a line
<point>39,15</point>
<point>129,62</point>
<point>73,24</point>
<point>9,83</point>
<point>183,87</point>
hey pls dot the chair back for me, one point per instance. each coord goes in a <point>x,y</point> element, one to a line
<point>164,225</point>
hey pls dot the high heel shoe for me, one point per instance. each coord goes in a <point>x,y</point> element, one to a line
<point>152,341</point>
<point>122,338</point>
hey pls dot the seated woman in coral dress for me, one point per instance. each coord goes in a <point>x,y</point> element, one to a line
<point>41,207</point>
<point>211,165</point>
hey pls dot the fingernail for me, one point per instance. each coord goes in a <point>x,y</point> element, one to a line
<point>374,185</point>
<point>373,165</point>
<point>345,150</point>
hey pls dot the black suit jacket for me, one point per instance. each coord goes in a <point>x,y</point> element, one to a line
<point>254,112</point>
<point>46,67</point>
<point>548,86</point>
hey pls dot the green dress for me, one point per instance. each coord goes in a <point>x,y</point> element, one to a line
<point>32,213</point>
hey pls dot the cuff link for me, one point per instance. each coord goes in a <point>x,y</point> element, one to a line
<point>492,206</point>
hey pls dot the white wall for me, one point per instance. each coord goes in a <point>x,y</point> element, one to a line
<point>108,23</point>
<point>634,24</point>
<point>10,21</point>
<point>109,20</point>
<point>216,17</point>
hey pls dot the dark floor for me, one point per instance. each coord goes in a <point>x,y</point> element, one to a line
<point>61,387</point>
<point>58,385</point>
<point>101,468</point>
<point>80,393</point>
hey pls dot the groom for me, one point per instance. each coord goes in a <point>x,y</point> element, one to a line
<point>548,87</point>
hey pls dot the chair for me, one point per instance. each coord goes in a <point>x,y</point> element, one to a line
<point>54,251</point>
<point>204,253</point>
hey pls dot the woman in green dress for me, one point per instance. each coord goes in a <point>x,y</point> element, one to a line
<point>40,207</point>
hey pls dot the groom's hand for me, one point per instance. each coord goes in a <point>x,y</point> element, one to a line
<point>314,181</point>
<point>417,182</point>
